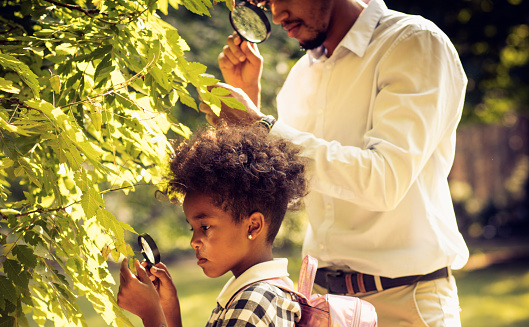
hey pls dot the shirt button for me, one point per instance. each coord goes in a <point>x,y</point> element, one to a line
<point>321,246</point>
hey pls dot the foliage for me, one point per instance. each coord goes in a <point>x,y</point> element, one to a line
<point>492,38</point>
<point>86,90</point>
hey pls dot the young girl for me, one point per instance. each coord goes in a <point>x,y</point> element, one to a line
<point>236,185</point>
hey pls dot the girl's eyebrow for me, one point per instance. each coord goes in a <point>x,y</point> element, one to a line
<point>198,217</point>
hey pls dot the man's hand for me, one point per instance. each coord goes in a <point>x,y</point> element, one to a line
<point>241,65</point>
<point>233,116</point>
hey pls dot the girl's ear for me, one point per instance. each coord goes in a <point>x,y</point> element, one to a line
<point>256,225</point>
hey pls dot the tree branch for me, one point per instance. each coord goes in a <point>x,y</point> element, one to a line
<point>88,12</point>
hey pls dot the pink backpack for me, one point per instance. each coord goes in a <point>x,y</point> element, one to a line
<point>327,310</point>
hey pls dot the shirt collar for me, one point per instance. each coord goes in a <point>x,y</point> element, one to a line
<point>276,268</point>
<point>358,38</point>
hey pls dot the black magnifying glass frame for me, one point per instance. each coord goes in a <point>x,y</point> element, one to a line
<point>149,242</point>
<point>260,14</point>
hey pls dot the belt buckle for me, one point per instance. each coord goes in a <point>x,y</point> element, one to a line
<point>336,275</point>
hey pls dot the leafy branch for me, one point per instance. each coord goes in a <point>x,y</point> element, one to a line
<point>88,12</point>
<point>93,12</point>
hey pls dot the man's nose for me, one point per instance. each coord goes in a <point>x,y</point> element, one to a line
<point>279,12</point>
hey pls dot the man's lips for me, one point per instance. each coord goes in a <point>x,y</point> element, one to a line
<point>291,28</point>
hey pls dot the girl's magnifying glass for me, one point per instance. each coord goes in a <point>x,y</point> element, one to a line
<point>149,249</point>
<point>250,22</point>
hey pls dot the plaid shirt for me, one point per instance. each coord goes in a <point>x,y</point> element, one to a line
<point>260,305</point>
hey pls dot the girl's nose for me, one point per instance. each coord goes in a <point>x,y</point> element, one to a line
<point>195,243</point>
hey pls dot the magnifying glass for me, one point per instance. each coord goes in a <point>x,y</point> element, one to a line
<point>250,22</point>
<point>148,249</point>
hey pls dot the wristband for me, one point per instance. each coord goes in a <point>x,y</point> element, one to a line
<point>267,121</point>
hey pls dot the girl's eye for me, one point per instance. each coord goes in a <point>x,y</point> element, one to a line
<point>206,227</point>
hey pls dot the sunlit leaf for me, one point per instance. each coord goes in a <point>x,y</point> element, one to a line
<point>9,62</point>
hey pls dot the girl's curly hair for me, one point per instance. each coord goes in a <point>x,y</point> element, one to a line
<point>244,169</point>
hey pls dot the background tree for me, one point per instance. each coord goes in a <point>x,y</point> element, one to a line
<point>492,38</point>
<point>86,90</point>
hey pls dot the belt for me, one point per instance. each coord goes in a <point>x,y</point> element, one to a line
<point>343,282</point>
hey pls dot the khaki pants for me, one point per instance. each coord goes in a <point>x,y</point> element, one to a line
<point>432,303</point>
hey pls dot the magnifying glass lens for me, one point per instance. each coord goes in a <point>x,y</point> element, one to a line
<point>250,22</point>
<point>147,250</point>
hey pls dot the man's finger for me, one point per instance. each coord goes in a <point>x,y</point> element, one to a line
<point>234,44</point>
<point>252,53</point>
<point>205,108</point>
<point>212,119</point>
<point>233,58</point>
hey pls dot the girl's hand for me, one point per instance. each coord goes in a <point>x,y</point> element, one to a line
<point>138,295</point>
<point>167,293</point>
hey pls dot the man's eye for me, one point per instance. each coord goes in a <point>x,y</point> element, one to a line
<point>265,5</point>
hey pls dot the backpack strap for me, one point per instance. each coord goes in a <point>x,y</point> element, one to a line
<point>278,282</point>
<point>307,274</point>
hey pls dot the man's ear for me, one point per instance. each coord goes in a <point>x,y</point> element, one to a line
<point>256,225</point>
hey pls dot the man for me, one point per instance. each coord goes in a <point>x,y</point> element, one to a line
<point>375,104</point>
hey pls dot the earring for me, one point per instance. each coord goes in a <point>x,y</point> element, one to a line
<point>250,236</point>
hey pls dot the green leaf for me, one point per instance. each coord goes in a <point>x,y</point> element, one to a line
<point>55,82</point>
<point>25,255</point>
<point>7,86</point>
<point>104,67</point>
<point>233,103</point>
<point>16,273</point>
<point>91,202</point>
<point>127,227</point>
<point>163,6</point>
<point>31,171</point>
<point>199,7</point>
<point>22,70</point>
<point>186,99</point>
<point>7,321</point>
<point>8,291</point>
<point>9,211</point>
<point>13,128</point>
<point>220,91</point>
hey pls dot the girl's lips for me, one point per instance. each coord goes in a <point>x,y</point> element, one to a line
<point>201,261</point>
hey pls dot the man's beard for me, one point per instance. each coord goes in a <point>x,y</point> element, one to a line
<point>315,42</point>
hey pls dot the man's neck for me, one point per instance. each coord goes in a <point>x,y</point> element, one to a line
<point>344,15</point>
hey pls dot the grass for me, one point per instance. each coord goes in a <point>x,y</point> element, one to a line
<point>494,296</point>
